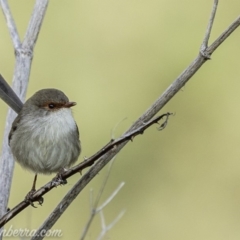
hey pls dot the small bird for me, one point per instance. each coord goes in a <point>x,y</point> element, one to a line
<point>44,137</point>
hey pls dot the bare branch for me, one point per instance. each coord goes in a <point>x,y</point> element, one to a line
<point>115,127</point>
<point>223,36</point>
<point>35,24</point>
<point>102,220</point>
<point>186,75</point>
<point>208,30</point>
<point>157,106</point>
<point>94,209</point>
<point>103,185</point>
<point>115,220</point>
<point>105,228</point>
<point>11,24</point>
<point>110,198</point>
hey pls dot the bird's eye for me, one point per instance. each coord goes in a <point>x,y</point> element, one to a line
<point>51,105</point>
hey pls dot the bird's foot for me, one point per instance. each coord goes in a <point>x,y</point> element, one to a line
<point>29,199</point>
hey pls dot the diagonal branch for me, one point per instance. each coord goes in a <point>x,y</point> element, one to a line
<point>223,36</point>
<point>187,74</point>
<point>110,198</point>
<point>109,148</point>
<point>160,102</point>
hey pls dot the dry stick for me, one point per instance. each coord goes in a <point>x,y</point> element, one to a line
<point>10,24</point>
<point>6,160</point>
<point>105,228</point>
<point>208,31</point>
<point>23,53</point>
<point>164,98</point>
<point>95,209</point>
<point>110,147</point>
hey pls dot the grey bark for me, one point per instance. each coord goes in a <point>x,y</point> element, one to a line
<point>24,54</point>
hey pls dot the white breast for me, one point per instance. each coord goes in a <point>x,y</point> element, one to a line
<point>53,126</point>
<point>48,143</point>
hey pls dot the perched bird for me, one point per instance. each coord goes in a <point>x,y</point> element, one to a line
<point>44,137</point>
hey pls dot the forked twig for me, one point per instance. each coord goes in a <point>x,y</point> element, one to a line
<point>208,31</point>
<point>106,228</point>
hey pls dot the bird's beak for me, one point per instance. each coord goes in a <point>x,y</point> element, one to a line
<point>70,104</point>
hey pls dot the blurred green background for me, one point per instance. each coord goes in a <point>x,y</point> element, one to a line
<point>115,58</point>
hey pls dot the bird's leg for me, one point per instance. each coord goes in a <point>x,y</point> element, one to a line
<point>29,196</point>
<point>58,180</point>
<point>34,184</point>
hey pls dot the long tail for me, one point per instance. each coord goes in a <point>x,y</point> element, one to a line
<point>9,96</point>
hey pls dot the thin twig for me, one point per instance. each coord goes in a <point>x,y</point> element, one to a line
<point>223,36</point>
<point>35,24</point>
<point>103,224</point>
<point>115,127</point>
<point>105,228</point>
<point>94,204</point>
<point>94,209</point>
<point>10,24</point>
<point>110,198</point>
<point>208,31</point>
<point>100,193</point>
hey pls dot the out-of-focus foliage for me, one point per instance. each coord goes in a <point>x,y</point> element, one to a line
<point>114,58</point>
